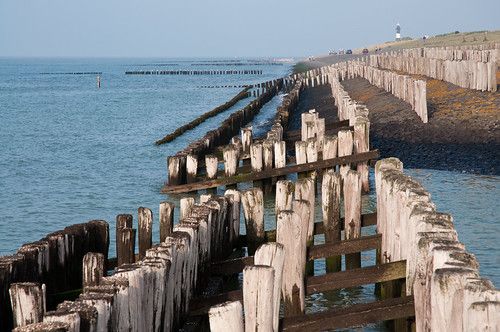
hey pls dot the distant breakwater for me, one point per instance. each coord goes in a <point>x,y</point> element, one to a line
<point>194,72</point>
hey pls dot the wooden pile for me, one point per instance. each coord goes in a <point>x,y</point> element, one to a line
<point>149,294</point>
<point>467,74</point>
<point>442,276</point>
<point>55,260</point>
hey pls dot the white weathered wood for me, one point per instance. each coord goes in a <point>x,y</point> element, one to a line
<point>226,317</point>
<point>72,319</point>
<point>362,144</point>
<point>246,139</point>
<point>28,302</point>
<point>253,210</point>
<point>258,285</point>
<point>231,159</point>
<point>211,164</point>
<point>93,268</point>
<point>345,148</point>
<point>352,211</point>
<point>305,190</point>
<point>234,197</point>
<point>279,154</point>
<point>191,168</point>
<point>300,152</point>
<point>166,215</point>
<point>267,153</point>
<point>186,205</point>
<point>256,157</point>
<point>331,187</point>
<point>273,254</point>
<point>290,233</point>
<point>284,196</point>
<point>330,147</point>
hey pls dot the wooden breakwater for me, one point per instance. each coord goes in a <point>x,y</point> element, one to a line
<point>194,72</point>
<point>219,109</point>
<point>426,280</point>
<point>55,261</point>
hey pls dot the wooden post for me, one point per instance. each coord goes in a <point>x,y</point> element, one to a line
<point>273,255</point>
<point>234,207</point>
<point>231,159</point>
<point>256,161</point>
<point>279,154</point>
<point>301,156</point>
<point>258,285</point>
<point>123,221</point>
<point>226,317</point>
<point>312,154</point>
<point>191,168</point>
<point>211,164</point>
<point>330,195</point>
<point>345,147</point>
<point>352,208</point>
<point>246,139</point>
<point>291,234</point>
<point>186,205</point>
<point>28,302</point>
<point>175,169</point>
<point>362,144</point>
<point>44,327</point>
<point>284,196</point>
<point>304,190</point>
<point>93,268</point>
<point>253,208</point>
<point>268,158</point>
<point>166,219</point>
<point>126,246</point>
<point>330,147</point>
<point>145,221</point>
<point>72,319</point>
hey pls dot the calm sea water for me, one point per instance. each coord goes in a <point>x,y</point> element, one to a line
<point>70,152</point>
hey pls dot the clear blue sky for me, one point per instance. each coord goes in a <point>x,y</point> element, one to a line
<point>171,28</point>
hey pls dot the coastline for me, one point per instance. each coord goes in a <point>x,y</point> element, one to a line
<point>463,133</point>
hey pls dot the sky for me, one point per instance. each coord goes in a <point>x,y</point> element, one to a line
<point>223,28</point>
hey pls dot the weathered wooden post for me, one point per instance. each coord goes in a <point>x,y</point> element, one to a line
<point>211,164</point>
<point>330,147</point>
<point>191,168</point>
<point>44,327</point>
<point>28,302</point>
<point>126,246</point>
<point>145,221</point>
<point>305,190</point>
<point>284,196</point>
<point>231,159</point>
<point>292,235</point>
<point>246,139</point>
<point>186,205</point>
<point>301,156</point>
<point>352,208</point>
<point>345,147</point>
<point>273,255</point>
<point>234,198</point>
<point>279,154</point>
<point>330,195</point>
<point>312,155</point>
<point>176,166</point>
<point>362,144</point>
<point>123,242</point>
<point>166,219</point>
<point>268,159</point>
<point>253,208</point>
<point>226,317</point>
<point>93,268</point>
<point>258,285</point>
<point>256,161</point>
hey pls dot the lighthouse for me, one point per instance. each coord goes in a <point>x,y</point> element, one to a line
<point>398,32</point>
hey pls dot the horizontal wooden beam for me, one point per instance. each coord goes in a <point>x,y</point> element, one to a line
<point>318,284</point>
<point>344,247</point>
<point>356,277</point>
<point>355,315</point>
<point>367,219</point>
<point>236,265</point>
<point>247,177</point>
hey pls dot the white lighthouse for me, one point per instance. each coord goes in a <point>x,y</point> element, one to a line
<point>398,32</point>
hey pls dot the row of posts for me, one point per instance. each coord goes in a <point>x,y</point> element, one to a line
<point>150,292</point>
<point>444,279</point>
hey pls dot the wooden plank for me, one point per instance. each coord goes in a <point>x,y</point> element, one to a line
<point>247,177</point>
<point>356,277</point>
<point>355,315</point>
<point>236,265</point>
<point>345,247</point>
<point>367,219</point>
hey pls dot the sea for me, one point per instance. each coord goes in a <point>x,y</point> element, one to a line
<point>71,151</point>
